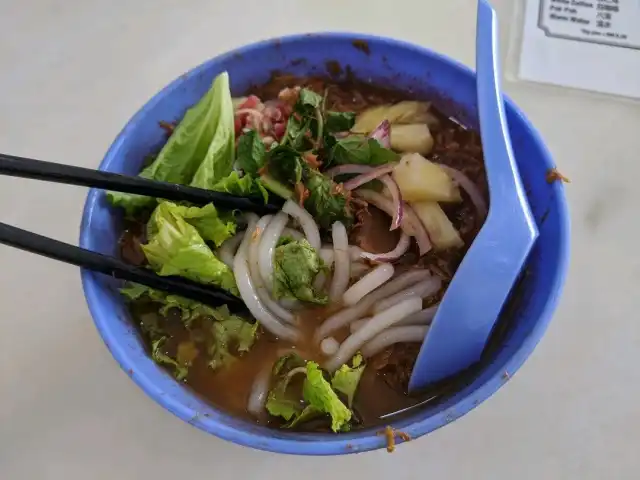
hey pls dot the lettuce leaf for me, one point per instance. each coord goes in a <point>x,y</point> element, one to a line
<point>191,142</point>
<point>212,226</point>
<point>230,333</point>
<point>347,378</point>
<point>218,162</point>
<point>317,392</point>
<point>160,356</point>
<point>296,265</point>
<point>176,248</point>
<point>244,186</point>
<point>281,401</point>
<point>189,309</point>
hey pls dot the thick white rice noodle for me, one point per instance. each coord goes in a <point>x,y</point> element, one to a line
<point>372,280</point>
<point>348,315</point>
<point>228,249</point>
<point>340,280</point>
<point>423,317</point>
<point>390,336</point>
<point>306,221</point>
<point>293,233</point>
<point>329,346</point>
<point>248,291</point>
<point>270,238</point>
<point>326,254</point>
<point>358,270</point>
<point>254,268</point>
<point>422,289</point>
<point>356,253</point>
<point>259,392</point>
<point>358,324</point>
<point>373,327</point>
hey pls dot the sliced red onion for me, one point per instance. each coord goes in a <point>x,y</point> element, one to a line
<point>248,291</point>
<point>410,224</point>
<point>368,176</point>
<point>372,280</point>
<point>306,221</point>
<point>400,249</point>
<point>393,335</point>
<point>382,133</point>
<point>373,327</point>
<point>349,169</point>
<point>340,279</point>
<point>469,187</point>
<point>346,316</point>
<point>422,289</point>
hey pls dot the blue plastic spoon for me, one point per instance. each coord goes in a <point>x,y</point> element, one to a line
<point>482,283</point>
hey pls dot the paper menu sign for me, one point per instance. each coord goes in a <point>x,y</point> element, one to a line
<point>587,44</point>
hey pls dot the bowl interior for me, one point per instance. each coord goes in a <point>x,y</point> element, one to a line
<point>381,61</point>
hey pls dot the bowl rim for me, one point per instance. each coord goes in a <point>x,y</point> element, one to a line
<point>342,444</point>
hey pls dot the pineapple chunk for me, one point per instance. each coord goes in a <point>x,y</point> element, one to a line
<point>400,113</point>
<point>419,179</point>
<point>415,138</point>
<point>441,231</point>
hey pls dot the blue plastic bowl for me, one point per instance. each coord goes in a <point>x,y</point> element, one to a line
<point>381,61</point>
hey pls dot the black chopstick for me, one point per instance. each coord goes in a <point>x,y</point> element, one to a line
<point>97,262</point>
<point>67,174</point>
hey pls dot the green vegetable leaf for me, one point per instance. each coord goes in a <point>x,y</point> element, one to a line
<point>230,333</point>
<point>296,265</point>
<point>160,356</point>
<point>286,363</point>
<point>251,152</point>
<point>347,378</point>
<point>245,186</point>
<point>339,121</point>
<point>283,401</point>
<point>318,393</point>
<point>187,147</point>
<point>286,167</point>
<point>325,203</point>
<point>189,309</point>
<point>362,151</point>
<point>218,162</point>
<point>308,98</point>
<point>176,248</point>
<point>211,226</point>
<point>309,413</point>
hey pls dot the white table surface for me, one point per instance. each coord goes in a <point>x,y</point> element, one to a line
<point>72,72</point>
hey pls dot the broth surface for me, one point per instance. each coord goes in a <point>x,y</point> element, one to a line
<point>382,389</point>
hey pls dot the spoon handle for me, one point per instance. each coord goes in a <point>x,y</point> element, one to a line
<point>503,176</point>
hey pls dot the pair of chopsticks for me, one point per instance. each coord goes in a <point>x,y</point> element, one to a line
<point>53,172</point>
